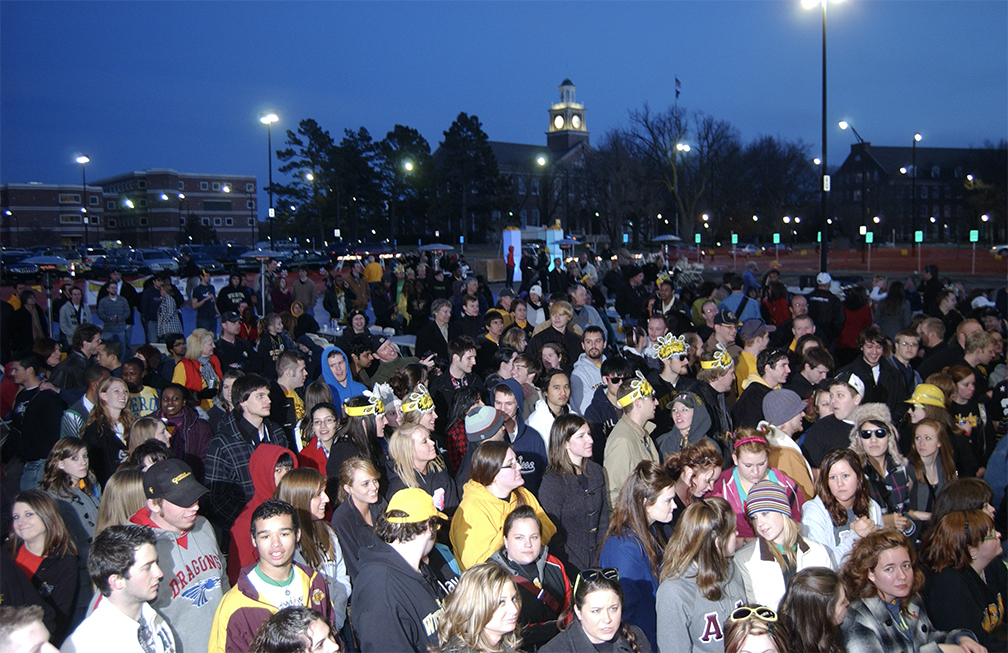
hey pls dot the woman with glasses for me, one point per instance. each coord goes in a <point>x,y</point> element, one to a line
<point>754,629</point>
<point>890,484</point>
<point>493,491</point>
<point>323,422</point>
<point>885,612</point>
<point>962,554</point>
<point>594,619</point>
<point>700,585</point>
<point>634,541</point>
<point>812,610</point>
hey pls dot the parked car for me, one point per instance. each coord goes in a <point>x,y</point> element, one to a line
<point>780,247</point>
<point>747,250</point>
<point>103,265</point>
<point>999,250</point>
<point>204,262</point>
<point>13,270</point>
<point>151,261</point>
<point>76,266</point>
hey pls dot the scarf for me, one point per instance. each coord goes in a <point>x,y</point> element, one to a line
<point>207,372</point>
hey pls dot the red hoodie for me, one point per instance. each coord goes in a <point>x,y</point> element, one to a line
<point>241,551</point>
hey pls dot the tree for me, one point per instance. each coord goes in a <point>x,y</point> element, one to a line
<point>358,183</point>
<point>308,158</point>
<point>407,172</point>
<point>620,185</point>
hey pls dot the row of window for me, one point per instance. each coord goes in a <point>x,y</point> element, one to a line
<point>216,185</point>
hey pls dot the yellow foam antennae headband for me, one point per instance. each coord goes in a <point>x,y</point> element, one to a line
<point>419,400</point>
<point>375,407</point>
<point>722,359</point>
<point>670,345</point>
<point>641,389</point>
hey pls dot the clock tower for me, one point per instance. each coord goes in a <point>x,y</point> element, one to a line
<point>567,121</point>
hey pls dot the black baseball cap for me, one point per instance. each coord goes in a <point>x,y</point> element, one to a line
<point>229,316</point>
<point>725,316</point>
<point>173,481</point>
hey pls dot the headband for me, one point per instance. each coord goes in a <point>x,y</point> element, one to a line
<point>419,401</point>
<point>375,407</point>
<point>669,346</point>
<point>662,278</point>
<point>722,359</point>
<point>641,389</point>
<point>751,438</point>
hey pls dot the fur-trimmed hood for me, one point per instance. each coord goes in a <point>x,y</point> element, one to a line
<point>878,413</point>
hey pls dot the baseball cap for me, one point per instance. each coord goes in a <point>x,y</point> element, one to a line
<point>782,406</point>
<point>687,399</point>
<point>754,328</point>
<point>416,503</point>
<point>725,316</point>
<point>173,481</point>
<point>483,422</point>
<point>506,292</point>
<point>229,316</point>
<point>853,380</point>
<point>377,340</point>
<point>981,301</point>
<point>824,278</point>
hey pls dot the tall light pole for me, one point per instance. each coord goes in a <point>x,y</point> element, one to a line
<point>845,125</point>
<point>268,119</point>
<point>913,191</point>
<point>824,186</point>
<point>17,223</point>
<point>83,160</point>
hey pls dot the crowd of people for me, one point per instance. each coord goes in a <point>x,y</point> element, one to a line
<point>608,454</point>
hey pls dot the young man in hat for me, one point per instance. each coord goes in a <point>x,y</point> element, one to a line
<point>195,580</point>
<point>123,565</point>
<point>232,351</point>
<point>833,431</point>
<point>274,583</point>
<point>604,410</point>
<point>233,295</point>
<point>773,370</point>
<point>783,411</point>
<point>528,445</point>
<point>826,309</point>
<point>755,336</point>
<point>396,600</point>
<point>726,327</point>
<point>630,441</point>
<point>482,423</point>
<point>673,352</point>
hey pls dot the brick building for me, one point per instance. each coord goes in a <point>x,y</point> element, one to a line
<point>50,214</point>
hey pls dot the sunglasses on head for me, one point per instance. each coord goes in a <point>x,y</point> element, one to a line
<point>595,573</point>
<point>878,433</point>
<point>760,612</point>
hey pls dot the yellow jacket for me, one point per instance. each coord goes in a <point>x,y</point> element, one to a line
<point>477,529</point>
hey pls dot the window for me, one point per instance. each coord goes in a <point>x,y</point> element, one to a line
<point>70,218</point>
<point>181,220</point>
<point>535,216</point>
<point>181,185</point>
<point>948,211</point>
<point>857,196</point>
<point>93,219</point>
<point>204,186</point>
<point>535,186</point>
<point>217,222</point>
<point>935,172</point>
<point>69,198</point>
<point>958,210</point>
<point>216,205</point>
<point>249,204</point>
<point>110,204</point>
<point>143,221</point>
<point>228,222</point>
<point>924,192</point>
<point>141,183</point>
<point>523,214</point>
<point>142,202</point>
<point>93,200</point>
<point>216,185</point>
<point>205,222</point>
<point>111,223</point>
<point>249,187</point>
<point>521,185</point>
<point>250,222</point>
<point>948,192</point>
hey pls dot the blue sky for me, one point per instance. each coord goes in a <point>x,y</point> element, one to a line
<point>180,85</point>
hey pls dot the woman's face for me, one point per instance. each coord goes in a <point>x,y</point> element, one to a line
<point>428,419</point>
<point>823,405</point>
<point>875,446</point>
<point>54,358</point>
<point>893,574</point>
<point>505,617</point>
<point>926,441</point>
<point>318,504</point>
<point>600,615</point>
<point>76,465</point>
<point>27,524</point>
<point>558,391</point>
<point>769,524</point>
<point>324,424</point>
<point>916,413</point>
<point>703,481</point>
<point>363,488</point>
<point>520,313</point>
<point>115,396</point>
<point>506,369</point>
<point>752,466</point>
<point>559,321</point>
<point>380,423</point>
<point>283,284</point>
<point>208,348</point>
<point>275,327</point>
<point>226,389</point>
<point>762,643</point>
<point>840,609</point>
<point>964,389</point>
<point>171,402</point>
<point>509,477</point>
<point>358,322</point>
<point>550,360</point>
<point>523,542</point>
<point>580,444</point>
<point>424,449</point>
<point>682,416</point>
<point>661,510</point>
<point>730,546</point>
<point>161,433</point>
<point>843,483</point>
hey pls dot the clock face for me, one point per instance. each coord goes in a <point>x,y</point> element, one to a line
<point>558,122</point>
<point>576,121</point>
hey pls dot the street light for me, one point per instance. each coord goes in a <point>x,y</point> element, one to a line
<point>844,125</point>
<point>268,119</point>
<point>83,160</point>
<point>824,186</point>
<point>182,198</point>
<point>17,225</point>
<point>913,187</point>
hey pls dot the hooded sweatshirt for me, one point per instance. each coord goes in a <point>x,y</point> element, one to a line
<point>242,552</point>
<point>671,442</point>
<point>193,583</point>
<point>585,379</point>
<point>340,392</point>
<point>528,443</point>
<point>688,621</point>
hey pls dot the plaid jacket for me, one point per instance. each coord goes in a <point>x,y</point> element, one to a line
<point>227,467</point>
<point>870,628</point>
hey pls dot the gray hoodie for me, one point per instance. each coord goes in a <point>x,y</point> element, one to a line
<point>669,443</point>
<point>689,622</point>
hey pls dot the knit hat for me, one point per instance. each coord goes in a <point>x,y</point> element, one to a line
<point>416,503</point>
<point>782,406</point>
<point>536,290</point>
<point>483,422</point>
<point>927,394</point>
<point>767,496</point>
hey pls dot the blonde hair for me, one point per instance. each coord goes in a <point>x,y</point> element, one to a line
<point>194,343</point>
<point>400,450</point>
<point>471,606</point>
<point>123,497</point>
<point>142,430</point>
<point>563,307</point>
<point>699,538</point>
<point>298,487</point>
<point>347,470</point>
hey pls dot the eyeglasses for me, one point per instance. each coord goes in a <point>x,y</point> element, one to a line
<point>511,465</point>
<point>878,433</point>
<point>324,422</point>
<point>593,574</point>
<point>760,612</point>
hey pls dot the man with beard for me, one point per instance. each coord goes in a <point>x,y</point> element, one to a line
<point>232,351</point>
<point>587,374</point>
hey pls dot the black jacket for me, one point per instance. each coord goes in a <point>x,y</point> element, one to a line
<point>395,608</point>
<point>430,340</point>
<point>826,311</point>
<point>574,640</point>
<point>976,606</point>
<point>579,508</point>
<point>240,352</point>
<point>353,532</point>
<point>69,374</point>
<point>56,582</point>
<point>889,389</point>
<point>105,450</point>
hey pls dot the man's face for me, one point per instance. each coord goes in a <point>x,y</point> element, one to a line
<point>656,328</point>
<point>276,541</point>
<point>132,375</point>
<point>637,279</point>
<point>144,576</point>
<point>18,373</point>
<point>907,348</point>
<point>115,277</point>
<point>179,348</point>
<point>105,359</point>
<point>387,352</point>
<point>843,401</point>
<point>31,638</point>
<point>986,355</point>
<point>174,518</point>
<point>507,404</point>
<point>816,374</point>
<point>231,328</point>
<point>971,327</point>
<point>666,292</point>
<point>495,328</point>
<point>113,290</point>
<point>558,392</point>
<point>258,403</point>
<point>75,296</point>
<point>506,302</point>
<point>802,327</point>
<point>593,344</point>
<point>303,275</point>
<point>777,373</point>
<point>337,365</point>
<point>559,321</point>
<point>725,333</point>
<point>365,359</point>
<point>205,279</point>
<point>467,361</point>
<point>300,373</point>
<point>234,280</point>
<point>272,266</point>
<point>579,297</point>
<point>872,352</point>
<point>471,308</point>
<point>799,306</point>
<point>443,315</point>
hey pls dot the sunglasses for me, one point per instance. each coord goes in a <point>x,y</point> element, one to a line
<point>878,433</point>
<point>760,612</point>
<point>595,573</point>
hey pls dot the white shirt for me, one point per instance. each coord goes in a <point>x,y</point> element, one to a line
<point>108,629</point>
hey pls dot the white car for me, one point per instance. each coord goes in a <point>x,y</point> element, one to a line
<point>999,250</point>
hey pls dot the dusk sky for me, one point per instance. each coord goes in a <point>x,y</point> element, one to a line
<point>181,85</point>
